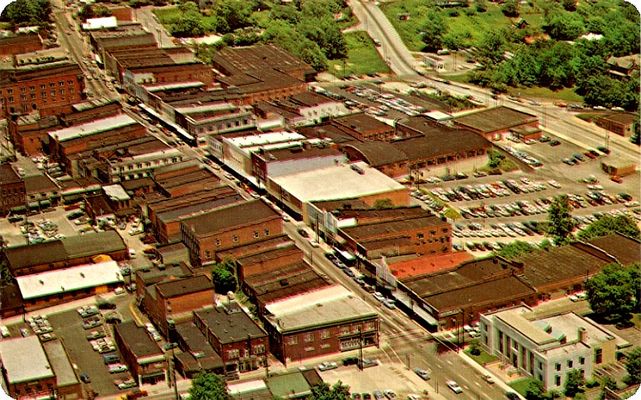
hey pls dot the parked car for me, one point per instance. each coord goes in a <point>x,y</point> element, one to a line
<point>85,378</point>
<point>379,296</point>
<point>326,366</point>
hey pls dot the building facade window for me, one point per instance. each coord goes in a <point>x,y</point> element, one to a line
<point>325,334</point>
<point>292,340</point>
<point>309,337</point>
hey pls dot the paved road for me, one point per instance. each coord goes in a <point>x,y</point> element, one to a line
<point>78,49</point>
<point>392,48</point>
<point>557,119</point>
<point>403,340</point>
<point>146,17</point>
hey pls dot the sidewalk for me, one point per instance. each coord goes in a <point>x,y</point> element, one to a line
<point>480,368</point>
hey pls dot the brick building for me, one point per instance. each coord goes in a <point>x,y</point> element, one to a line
<point>175,299</point>
<point>30,133</point>
<point>261,72</point>
<point>267,261</point>
<point>229,226</point>
<point>240,342</point>
<point>620,123</point>
<point>166,215</point>
<point>20,43</point>
<point>12,189</point>
<point>427,234</point>
<point>33,82</point>
<point>146,361</point>
<point>364,127</point>
<point>456,297</point>
<point>26,369</point>
<point>86,137</point>
<point>301,109</point>
<point>197,354</point>
<point>211,119</point>
<point>67,252</point>
<point>495,123</point>
<point>324,321</point>
<point>355,181</point>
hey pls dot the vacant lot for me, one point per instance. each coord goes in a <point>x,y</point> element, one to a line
<point>362,57</point>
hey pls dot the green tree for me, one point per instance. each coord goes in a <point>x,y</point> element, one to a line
<point>607,225</point>
<point>433,30</point>
<point>224,276</point>
<point>535,390</point>
<point>491,49</point>
<point>510,8</point>
<point>190,24</point>
<point>207,386</point>
<point>494,158</point>
<point>325,392</point>
<point>383,203</point>
<point>516,249</point>
<point>18,12</point>
<point>609,383</point>
<point>611,293</point>
<point>636,134</point>
<point>560,222</point>
<point>633,366</point>
<point>233,14</point>
<point>564,26</point>
<point>41,10</point>
<point>574,382</point>
<point>188,7</point>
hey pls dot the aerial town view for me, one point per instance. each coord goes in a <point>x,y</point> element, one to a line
<point>320,200</point>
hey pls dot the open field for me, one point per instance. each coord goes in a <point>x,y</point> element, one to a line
<point>362,57</point>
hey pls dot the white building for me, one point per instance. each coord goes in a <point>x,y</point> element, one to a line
<point>548,348</point>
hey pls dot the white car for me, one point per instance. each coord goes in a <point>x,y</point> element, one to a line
<point>454,387</point>
<point>379,296</point>
<point>115,368</point>
<point>325,366</point>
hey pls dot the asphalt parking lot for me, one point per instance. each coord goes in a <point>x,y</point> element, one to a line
<point>382,377</point>
<point>68,326</point>
<point>14,237</point>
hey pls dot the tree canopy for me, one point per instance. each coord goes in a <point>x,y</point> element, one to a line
<point>633,366</point>
<point>613,292</point>
<point>560,220</point>
<point>515,249</point>
<point>27,12</point>
<point>223,275</point>
<point>608,225</point>
<point>574,382</point>
<point>325,392</point>
<point>207,386</point>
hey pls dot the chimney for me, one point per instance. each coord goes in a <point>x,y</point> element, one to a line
<point>583,334</point>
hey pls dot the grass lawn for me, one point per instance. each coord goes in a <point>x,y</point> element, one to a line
<point>362,57</point>
<point>483,358</point>
<point>473,26</point>
<point>521,384</point>
<point>167,15</point>
<point>565,94</point>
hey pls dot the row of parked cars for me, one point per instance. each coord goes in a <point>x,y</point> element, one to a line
<point>501,188</point>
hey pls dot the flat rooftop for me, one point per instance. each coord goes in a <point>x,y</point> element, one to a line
<point>138,340</point>
<point>324,307</point>
<point>626,250</point>
<point>182,287</point>
<point>337,182</point>
<point>69,279</point>
<point>230,324</point>
<point>384,228</point>
<point>229,217</point>
<point>65,374</point>
<point>24,360</point>
<point>494,119</point>
<point>93,127</point>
